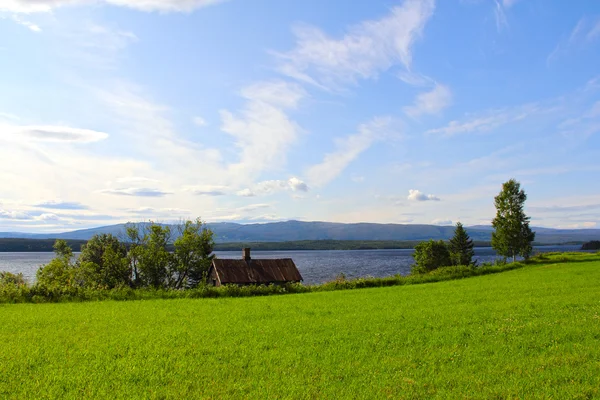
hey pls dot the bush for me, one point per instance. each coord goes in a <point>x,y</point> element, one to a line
<point>7,278</point>
<point>430,255</point>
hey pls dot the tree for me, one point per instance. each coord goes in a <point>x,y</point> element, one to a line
<point>104,264</point>
<point>193,250</point>
<point>155,263</point>
<point>512,235</point>
<point>430,255</point>
<point>461,247</point>
<point>60,272</point>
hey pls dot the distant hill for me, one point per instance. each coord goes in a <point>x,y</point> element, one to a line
<point>299,230</point>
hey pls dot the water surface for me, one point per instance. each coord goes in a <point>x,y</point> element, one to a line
<point>316,266</point>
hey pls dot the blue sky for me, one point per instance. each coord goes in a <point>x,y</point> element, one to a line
<point>409,111</point>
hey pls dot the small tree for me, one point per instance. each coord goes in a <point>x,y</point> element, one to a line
<point>8,278</point>
<point>155,263</point>
<point>60,272</point>
<point>430,255</point>
<point>193,250</point>
<point>104,264</point>
<point>512,235</point>
<point>461,247</point>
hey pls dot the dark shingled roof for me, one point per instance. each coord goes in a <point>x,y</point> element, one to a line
<point>256,271</point>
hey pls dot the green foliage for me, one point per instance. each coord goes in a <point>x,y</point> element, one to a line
<point>470,338</point>
<point>592,245</point>
<point>512,236</point>
<point>461,247</point>
<point>42,293</point>
<point>193,257</point>
<point>156,263</point>
<point>430,255</point>
<point>8,278</point>
<point>61,272</point>
<point>104,264</point>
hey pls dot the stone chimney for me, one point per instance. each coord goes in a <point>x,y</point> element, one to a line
<point>246,253</point>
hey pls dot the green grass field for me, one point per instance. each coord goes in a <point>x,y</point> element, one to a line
<point>533,332</point>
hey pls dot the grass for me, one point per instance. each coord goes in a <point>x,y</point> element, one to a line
<point>532,332</point>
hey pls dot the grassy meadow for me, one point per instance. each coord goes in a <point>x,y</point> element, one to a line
<point>532,332</point>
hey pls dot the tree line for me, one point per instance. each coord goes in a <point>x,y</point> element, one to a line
<point>512,236</point>
<point>147,257</point>
<point>106,262</point>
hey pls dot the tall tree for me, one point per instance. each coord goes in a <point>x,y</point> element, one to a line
<point>193,250</point>
<point>461,247</point>
<point>103,262</point>
<point>155,262</point>
<point>512,236</point>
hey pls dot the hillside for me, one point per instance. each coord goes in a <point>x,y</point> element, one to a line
<point>299,230</point>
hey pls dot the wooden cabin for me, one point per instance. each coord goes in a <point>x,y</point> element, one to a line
<point>248,271</point>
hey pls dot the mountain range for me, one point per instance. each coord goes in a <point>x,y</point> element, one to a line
<point>300,230</point>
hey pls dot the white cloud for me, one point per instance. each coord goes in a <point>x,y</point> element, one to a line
<point>348,149</point>
<point>297,185</point>
<point>28,24</point>
<point>263,132</point>
<point>416,195</point>
<point>274,186</point>
<point>14,215</point>
<point>501,20</point>
<point>364,51</point>
<point>442,222</point>
<point>431,102</point>
<point>135,180</point>
<point>136,191</point>
<point>33,6</point>
<point>158,211</point>
<point>199,121</point>
<point>246,193</point>
<point>253,207</point>
<point>62,205</point>
<point>48,217</point>
<point>207,190</point>
<point>414,79</point>
<point>48,133</point>
<point>488,121</point>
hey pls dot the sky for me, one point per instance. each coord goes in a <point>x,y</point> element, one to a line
<point>252,111</point>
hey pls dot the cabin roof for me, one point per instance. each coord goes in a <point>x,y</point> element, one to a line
<point>256,271</point>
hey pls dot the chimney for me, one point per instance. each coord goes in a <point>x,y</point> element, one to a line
<point>246,253</point>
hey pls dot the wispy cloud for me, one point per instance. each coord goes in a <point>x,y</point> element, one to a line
<point>28,24</point>
<point>564,209</point>
<point>136,192</point>
<point>62,205</point>
<point>488,121</point>
<point>207,190</point>
<point>199,121</point>
<point>364,51</point>
<point>274,186</point>
<point>348,149</point>
<point>262,130</point>
<point>48,133</point>
<point>585,31</point>
<point>431,102</point>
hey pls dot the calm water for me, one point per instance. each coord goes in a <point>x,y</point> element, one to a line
<point>316,266</point>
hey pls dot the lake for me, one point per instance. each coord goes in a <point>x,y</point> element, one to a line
<point>316,266</point>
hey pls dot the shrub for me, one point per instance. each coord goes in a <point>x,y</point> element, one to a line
<point>430,255</point>
<point>8,278</point>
